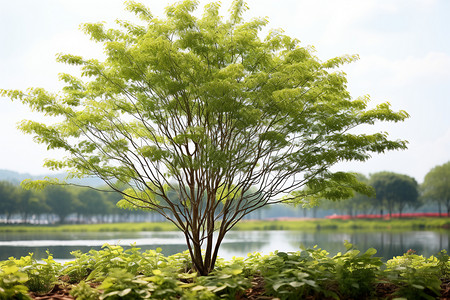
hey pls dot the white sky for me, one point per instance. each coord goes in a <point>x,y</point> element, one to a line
<point>404,47</point>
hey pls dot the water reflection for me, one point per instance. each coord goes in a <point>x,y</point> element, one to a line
<point>236,243</point>
<point>388,244</point>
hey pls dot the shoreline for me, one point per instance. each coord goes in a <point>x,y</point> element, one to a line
<point>249,225</point>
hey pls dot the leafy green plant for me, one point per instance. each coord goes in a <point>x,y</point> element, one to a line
<point>227,281</point>
<point>180,262</point>
<point>310,273</point>
<point>41,276</point>
<point>356,273</point>
<point>296,274</point>
<point>83,291</point>
<point>77,269</point>
<point>164,284</point>
<point>102,261</point>
<point>120,284</point>
<point>12,282</point>
<point>415,276</point>
<point>443,264</point>
<point>113,256</point>
<point>415,283</point>
<point>292,283</point>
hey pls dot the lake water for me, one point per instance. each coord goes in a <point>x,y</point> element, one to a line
<point>236,243</point>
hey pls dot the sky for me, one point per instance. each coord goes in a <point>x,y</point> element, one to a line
<point>404,49</point>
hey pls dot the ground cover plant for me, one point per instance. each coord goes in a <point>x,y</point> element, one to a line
<point>115,273</point>
<point>204,120</point>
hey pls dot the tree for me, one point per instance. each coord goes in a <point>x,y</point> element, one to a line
<point>61,201</point>
<point>91,203</point>
<point>359,202</point>
<point>8,199</point>
<point>31,204</point>
<point>395,191</point>
<point>436,186</point>
<point>207,108</point>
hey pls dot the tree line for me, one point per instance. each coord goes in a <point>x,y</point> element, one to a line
<point>394,193</point>
<point>63,204</point>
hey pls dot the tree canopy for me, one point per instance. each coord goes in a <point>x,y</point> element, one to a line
<point>436,186</point>
<point>7,198</point>
<point>358,202</point>
<point>209,108</point>
<point>395,190</point>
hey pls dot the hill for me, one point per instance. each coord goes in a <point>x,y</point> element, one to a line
<point>17,178</point>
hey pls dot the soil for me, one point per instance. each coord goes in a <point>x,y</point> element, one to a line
<point>383,291</point>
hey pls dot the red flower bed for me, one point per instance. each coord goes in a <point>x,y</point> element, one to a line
<point>386,216</point>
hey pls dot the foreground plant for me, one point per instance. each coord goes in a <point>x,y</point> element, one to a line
<point>12,282</point>
<point>41,276</point>
<point>20,276</point>
<point>204,121</point>
<point>415,276</point>
<point>310,273</point>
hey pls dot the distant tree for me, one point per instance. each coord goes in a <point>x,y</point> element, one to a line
<point>92,203</point>
<point>8,199</point>
<point>436,186</point>
<point>209,104</point>
<point>61,201</point>
<point>31,204</point>
<point>394,191</point>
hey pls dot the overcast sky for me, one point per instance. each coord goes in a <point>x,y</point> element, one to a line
<point>404,48</point>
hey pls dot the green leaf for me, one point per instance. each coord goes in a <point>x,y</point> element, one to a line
<point>124,292</point>
<point>156,272</point>
<point>277,285</point>
<point>296,284</point>
<point>198,288</point>
<point>370,252</point>
<point>417,286</point>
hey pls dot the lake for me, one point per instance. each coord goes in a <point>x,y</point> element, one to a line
<point>236,243</point>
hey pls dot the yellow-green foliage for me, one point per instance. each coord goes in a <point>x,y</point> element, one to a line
<point>309,273</point>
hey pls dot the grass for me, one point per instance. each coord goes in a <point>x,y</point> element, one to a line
<point>317,224</point>
<point>124,227</point>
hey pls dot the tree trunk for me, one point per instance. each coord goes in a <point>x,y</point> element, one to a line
<point>62,219</point>
<point>209,243</point>
<point>350,212</point>
<point>448,207</point>
<point>204,264</point>
<point>196,255</point>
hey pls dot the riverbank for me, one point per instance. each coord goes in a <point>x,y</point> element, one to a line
<point>291,224</point>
